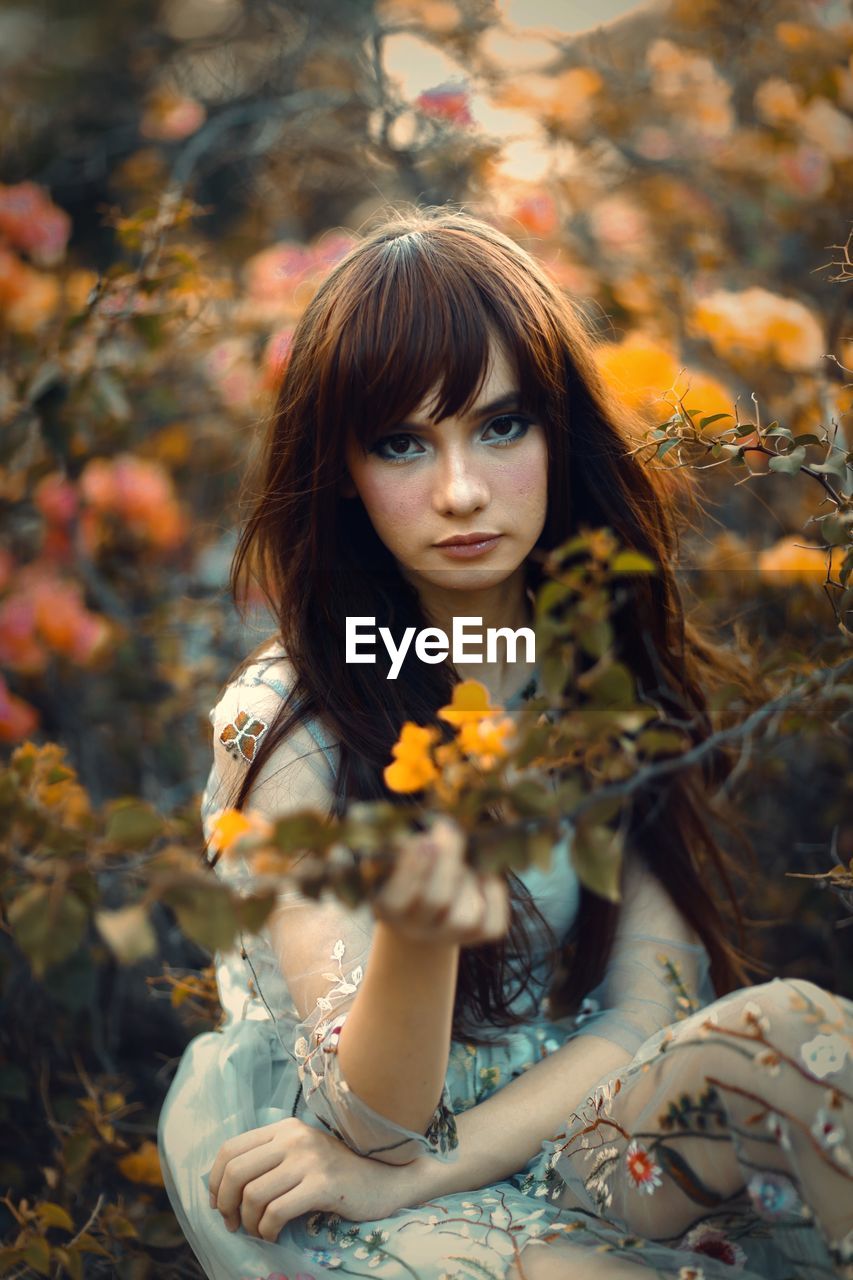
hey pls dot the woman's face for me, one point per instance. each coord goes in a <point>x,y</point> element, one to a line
<point>484,472</point>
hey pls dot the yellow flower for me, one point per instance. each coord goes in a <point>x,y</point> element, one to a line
<point>646,375</point>
<point>788,560</point>
<point>143,1165</point>
<point>412,768</point>
<point>230,825</point>
<point>470,703</point>
<point>755,322</point>
<point>486,742</point>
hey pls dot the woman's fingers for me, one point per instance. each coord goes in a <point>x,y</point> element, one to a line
<point>236,1146</point>
<point>292,1204</point>
<point>273,1185</point>
<point>240,1171</point>
<point>495,920</point>
<point>433,895</point>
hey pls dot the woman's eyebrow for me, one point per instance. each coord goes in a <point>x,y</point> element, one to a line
<point>510,400</point>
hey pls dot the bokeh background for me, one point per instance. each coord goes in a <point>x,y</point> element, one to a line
<point>175,178</point>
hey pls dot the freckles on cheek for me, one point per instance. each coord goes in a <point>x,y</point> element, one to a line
<point>527,479</point>
<point>395,503</point>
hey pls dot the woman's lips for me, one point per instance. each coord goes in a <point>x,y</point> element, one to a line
<point>465,551</point>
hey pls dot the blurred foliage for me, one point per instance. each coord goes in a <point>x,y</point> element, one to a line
<point>176,178</point>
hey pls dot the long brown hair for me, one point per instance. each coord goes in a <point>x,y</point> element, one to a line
<point>414,307</point>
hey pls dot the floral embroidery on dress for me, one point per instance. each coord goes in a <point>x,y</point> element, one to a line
<point>645,1173</point>
<point>773,1195</point>
<point>441,1134</point>
<point>242,735</point>
<point>825,1054</point>
<point>715,1244</point>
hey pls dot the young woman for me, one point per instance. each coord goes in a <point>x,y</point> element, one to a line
<point>398,1090</point>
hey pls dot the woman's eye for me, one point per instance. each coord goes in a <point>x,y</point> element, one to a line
<point>509,427</point>
<point>389,444</point>
<point>505,424</point>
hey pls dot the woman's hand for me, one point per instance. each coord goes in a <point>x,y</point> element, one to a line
<point>432,895</point>
<point>265,1177</point>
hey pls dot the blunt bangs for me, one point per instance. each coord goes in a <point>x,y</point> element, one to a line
<point>417,313</point>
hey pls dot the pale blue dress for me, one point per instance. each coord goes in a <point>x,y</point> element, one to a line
<point>638,1175</point>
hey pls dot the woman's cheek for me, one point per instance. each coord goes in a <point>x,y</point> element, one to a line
<point>397,504</point>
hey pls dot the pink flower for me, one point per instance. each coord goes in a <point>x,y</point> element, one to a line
<point>448,102</point>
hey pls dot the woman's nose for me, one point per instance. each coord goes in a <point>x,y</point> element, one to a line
<point>459,485</point>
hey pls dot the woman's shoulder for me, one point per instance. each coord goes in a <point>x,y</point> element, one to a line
<point>249,702</point>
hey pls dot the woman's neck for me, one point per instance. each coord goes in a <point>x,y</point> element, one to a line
<point>507,605</point>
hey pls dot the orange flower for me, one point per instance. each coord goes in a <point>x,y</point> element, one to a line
<point>230,825</point>
<point>789,561</point>
<point>17,718</point>
<point>470,703</point>
<point>413,767</point>
<point>143,1165</point>
<point>487,743</point>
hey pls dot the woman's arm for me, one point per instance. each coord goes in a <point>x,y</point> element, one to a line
<point>394,1046</point>
<point>656,959</point>
<point>499,1136</point>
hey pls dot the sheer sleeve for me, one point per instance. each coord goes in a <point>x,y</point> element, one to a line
<point>657,973</point>
<point>314,953</point>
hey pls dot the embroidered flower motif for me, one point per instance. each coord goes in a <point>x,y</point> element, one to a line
<point>716,1244</point>
<point>643,1170</point>
<point>779,1130</point>
<point>242,735</point>
<point>754,1018</point>
<point>827,1131</point>
<point>825,1054</point>
<point>772,1194</point>
<point>770,1060</point>
<point>325,1258</point>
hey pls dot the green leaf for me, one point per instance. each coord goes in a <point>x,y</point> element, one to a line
<point>834,465</point>
<point>658,742</point>
<point>554,675</point>
<point>597,858</point>
<point>663,449</point>
<point>205,913</point>
<point>71,1261</point>
<point>77,1150</point>
<point>612,687</point>
<point>595,638</point>
<point>301,831</point>
<point>632,562</point>
<point>835,529</point>
<point>37,1254</point>
<point>47,936</point>
<point>808,438</point>
<point>551,594</point>
<point>789,463</point>
<point>133,824</point>
<point>714,417</point>
<point>128,933</point>
<point>55,1216</point>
